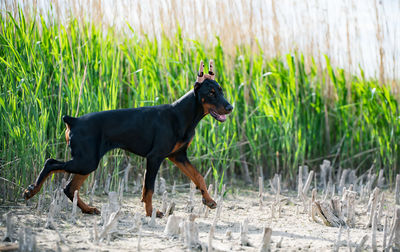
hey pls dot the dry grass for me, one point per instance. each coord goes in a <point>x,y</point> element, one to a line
<point>353,35</point>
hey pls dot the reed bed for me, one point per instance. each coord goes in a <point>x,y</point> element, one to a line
<point>289,110</point>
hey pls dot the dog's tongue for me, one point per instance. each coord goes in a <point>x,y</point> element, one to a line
<point>222,117</point>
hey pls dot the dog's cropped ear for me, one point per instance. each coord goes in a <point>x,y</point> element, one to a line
<point>200,74</point>
<point>200,77</point>
<point>210,70</point>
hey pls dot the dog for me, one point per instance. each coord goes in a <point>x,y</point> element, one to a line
<point>154,132</point>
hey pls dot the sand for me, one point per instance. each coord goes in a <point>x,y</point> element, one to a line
<point>292,229</point>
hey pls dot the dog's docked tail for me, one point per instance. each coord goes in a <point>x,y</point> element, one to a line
<point>69,120</point>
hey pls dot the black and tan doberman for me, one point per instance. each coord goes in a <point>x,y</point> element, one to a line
<point>155,132</point>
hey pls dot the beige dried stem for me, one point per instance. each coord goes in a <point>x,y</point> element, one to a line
<point>397,190</point>
<point>373,205</point>
<point>361,243</point>
<point>9,225</point>
<point>172,227</point>
<point>266,240</point>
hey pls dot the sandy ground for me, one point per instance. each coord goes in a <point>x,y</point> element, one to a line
<point>292,230</point>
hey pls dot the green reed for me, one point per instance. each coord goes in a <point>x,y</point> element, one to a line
<point>286,113</point>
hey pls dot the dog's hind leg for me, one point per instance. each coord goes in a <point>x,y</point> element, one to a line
<point>50,166</point>
<point>74,185</point>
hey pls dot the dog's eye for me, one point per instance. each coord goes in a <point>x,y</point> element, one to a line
<point>211,93</point>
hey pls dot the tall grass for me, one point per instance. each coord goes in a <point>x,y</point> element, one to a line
<point>287,113</point>
<point>350,33</point>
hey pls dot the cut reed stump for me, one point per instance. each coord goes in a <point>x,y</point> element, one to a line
<point>27,240</point>
<point>192,233</point>
<point>266,240</point>
<point>325,176</point>
<point>111,224</point>
<point>396,229</point>
<point>302,190</point>
<point>329,212</point>
<point>373,202</point>
<point>397,195</point>
<point>373,232</point>
<point>394,239</point>
<point>170,209</point>
<point>361,243</point>
<point>74,206</point>
<point>260,191</point>
<point>244,240</point>
<point>9,230</point>
<point>172,227</point>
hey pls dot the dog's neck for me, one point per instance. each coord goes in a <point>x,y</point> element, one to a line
<point>190,110</point>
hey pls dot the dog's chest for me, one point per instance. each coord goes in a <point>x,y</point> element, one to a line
<point>180,144</point>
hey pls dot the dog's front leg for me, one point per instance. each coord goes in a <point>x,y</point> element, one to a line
<point>180,159</point>
<point>153,164</point>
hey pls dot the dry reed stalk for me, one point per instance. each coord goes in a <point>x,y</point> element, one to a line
<point>385,232</point>
<point>381,179</point>
<point>9,227</point>
<point>95,232</point>
<point>170,209</point>
<point>380,208</point>
<point>300,183</point>
<point>164,204</point>
<point>338,242</point>
<point>27,240</point>
<point>373,205</point>
<point>244,240</point>
<point>190,202</point>
<point>173,190</point>
<point>325,173</point>
<point>373,231</point>
<point>207,210</point>
<point>92,192</point>
<point>107,185</point>
<point>172,227</point>
<point>397,190</point>
<point>266,240</point>
<point>394,237</point>
<point>74,205</point>
<point>342,182</point>
<point>111,224</point>
<point>260,190</point>
<point>152,222</point>
<point>361,243</point>
<point>126,176</point>
<point>192,233</point>
<point>163,185</point>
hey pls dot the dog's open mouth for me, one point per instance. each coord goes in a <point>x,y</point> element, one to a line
<point>218,117</point>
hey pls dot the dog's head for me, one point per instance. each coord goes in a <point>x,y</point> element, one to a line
<point>210,94</point>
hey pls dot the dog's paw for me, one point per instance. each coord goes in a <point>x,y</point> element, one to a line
<point>91,210</point>
<point>159,214</point>
<point>29,192</point>
<point>210,203</point>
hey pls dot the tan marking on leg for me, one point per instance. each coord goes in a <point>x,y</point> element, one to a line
<point>30,192</point>
<point>189,170</point>
<point>177,146</point>
<point>147,196</point>
<point>76,184</point>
